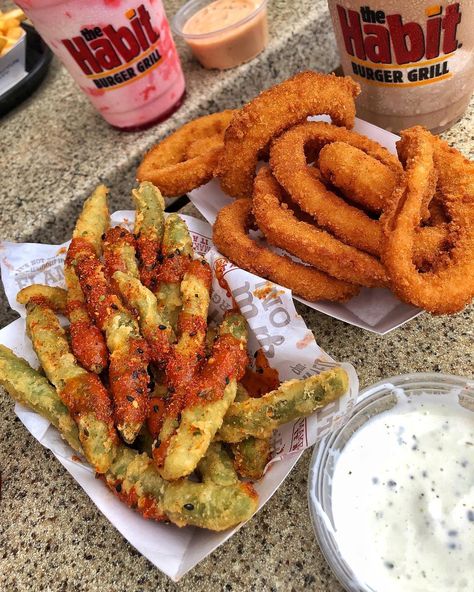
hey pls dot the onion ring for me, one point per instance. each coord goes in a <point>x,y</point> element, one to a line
<point>231,238</point>
<point>312,245</point>
<point>449,286</point>
<point>364,180</point>
<point>348,223</point>
<point>168,165</point>
<point>272,112</point>
<point>288,163</point>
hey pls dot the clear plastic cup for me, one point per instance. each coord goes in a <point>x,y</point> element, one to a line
<point>230,45</point>
<point>372,401</point>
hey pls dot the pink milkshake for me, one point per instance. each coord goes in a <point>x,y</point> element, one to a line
<point>120,52</point>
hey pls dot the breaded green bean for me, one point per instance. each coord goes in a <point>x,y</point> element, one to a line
<point>251,457</point>
<point>153,326</point>
<point>129,352</point>
<point>30,388</point>
<point>55,298</point>
<point>87,342</point>
<point>119,252</point>
<point>176,253</point>
<point>94,219</point>
<point>293,399</point>
<point>207,401</point>
<point>81,391</point>
<point>148,231</point>
<point>218,503</point>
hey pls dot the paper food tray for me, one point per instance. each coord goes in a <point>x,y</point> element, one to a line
<point>373,309</point>
<point>274,326</point>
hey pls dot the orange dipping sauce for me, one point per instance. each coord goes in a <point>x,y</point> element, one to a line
<point>224,33</point>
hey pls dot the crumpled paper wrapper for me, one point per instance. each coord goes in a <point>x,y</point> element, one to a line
<point>275,326</point>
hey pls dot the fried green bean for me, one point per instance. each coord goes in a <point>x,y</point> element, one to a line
<point>81,391</point>
<point>176,253</point>
<point>154,328</point>
<point>293,399</point>
<point>119,252</point>
<point>55,298</point>
<point>251,457</point>
<point>94,219</point>
<point>87,342</point>
<point>207,402</point>
<point>30,388</point>
<point>148,231</point>
<point>129,352</point>
<point>218,503</point>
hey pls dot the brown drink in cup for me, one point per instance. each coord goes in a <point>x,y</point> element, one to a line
<point>413,59</point>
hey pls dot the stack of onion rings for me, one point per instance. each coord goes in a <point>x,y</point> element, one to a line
<point>327,196</point>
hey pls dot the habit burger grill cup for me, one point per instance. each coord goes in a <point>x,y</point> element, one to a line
<point>120,52</point>
<point>413,59</point>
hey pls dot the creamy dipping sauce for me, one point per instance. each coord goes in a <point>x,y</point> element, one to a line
<point>218,15</point>
<point>220,48</point>
<point>403,498</point>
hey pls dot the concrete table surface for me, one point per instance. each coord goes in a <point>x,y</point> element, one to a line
<point>55,149</point>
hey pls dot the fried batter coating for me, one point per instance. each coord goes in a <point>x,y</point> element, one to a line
<point>230,235</point>
<point>55,298</point>
<point>82,392</point>
<point>207,401</point>
<point>87,342</point>
<point>449,285</point>
<point>364,180</point>
<point>129,353</point>
<point>348,223</point>
<point>288,164</point>
<point>168,166</point>
<point>148,230</point>
<point>176,254</point>
<point>311,244</point>
<point>154,328</point>
<point>293,399</point>
<point>272,112</point>
<point>28,387</point>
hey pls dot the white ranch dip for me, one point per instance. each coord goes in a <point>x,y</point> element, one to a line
<point>403,498</point>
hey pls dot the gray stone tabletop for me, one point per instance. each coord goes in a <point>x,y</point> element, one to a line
<point>54,150</point>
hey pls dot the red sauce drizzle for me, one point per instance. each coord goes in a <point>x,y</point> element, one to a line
<point>115,239</point>
<point>219,269</point>
<point>263,379</point>
<point>173,268</point>
<point>96,289</point>
<point>88,345</point>
<point>129,379</point>
<point>146,505</point>
<point>85,394</point>
<point>148,249</point>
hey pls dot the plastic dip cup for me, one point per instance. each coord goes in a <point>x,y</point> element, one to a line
<point>223,33</point>
<point>391,489</point>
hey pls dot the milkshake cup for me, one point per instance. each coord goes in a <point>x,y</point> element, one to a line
<point>120,52</point>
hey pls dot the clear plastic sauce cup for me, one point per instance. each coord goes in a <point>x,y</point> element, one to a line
<point>224,33</point>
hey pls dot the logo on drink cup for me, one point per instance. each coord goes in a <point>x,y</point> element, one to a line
<point>111,56</point>
<point>385,50</point>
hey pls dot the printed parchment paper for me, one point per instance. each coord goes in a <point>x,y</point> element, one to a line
<point>274,325</point>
